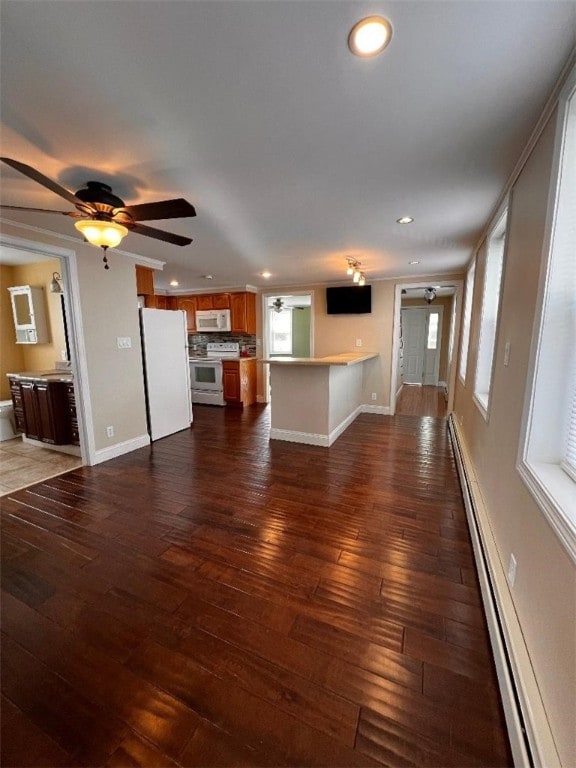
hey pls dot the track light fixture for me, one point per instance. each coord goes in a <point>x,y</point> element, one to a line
<point>353,270</point>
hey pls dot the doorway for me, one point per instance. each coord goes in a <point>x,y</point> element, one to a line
<point>287,328</point>
<point>445,327</point>
<point>64,350</point>
<point>421,338</point>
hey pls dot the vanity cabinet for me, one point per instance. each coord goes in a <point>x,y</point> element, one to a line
<point>239,381</point>
<point>16,393</point>
<point>29,313</point>
<point>243,313</point>
<point>72,415</point>
<point>44,406</point>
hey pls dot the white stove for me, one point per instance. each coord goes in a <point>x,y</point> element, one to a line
<point>222,349</point>
<point>206,373</point>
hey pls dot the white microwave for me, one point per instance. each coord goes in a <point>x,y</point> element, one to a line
<point>212,320</point>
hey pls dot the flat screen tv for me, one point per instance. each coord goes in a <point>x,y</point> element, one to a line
<point>349,300</point>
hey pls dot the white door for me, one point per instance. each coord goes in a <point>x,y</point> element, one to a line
<point>421,336</point>
<point>413,338</point>
<point>167,371</point>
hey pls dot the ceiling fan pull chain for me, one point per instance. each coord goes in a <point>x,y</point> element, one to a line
<point>105,259</point>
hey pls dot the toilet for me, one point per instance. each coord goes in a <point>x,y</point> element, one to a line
<point>7,431</point>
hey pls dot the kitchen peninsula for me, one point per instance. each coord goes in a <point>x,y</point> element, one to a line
<point>314,399</point>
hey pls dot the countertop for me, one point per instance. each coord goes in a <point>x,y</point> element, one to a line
<point>344,358</point>
<point>239,358</point>
<point>64,376</point>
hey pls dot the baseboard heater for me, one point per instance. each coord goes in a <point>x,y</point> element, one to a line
<point>517,731</point>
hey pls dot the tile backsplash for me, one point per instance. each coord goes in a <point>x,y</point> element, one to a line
<point>197,341</point>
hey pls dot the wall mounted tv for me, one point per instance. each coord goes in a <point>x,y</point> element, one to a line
<point>349,300</point>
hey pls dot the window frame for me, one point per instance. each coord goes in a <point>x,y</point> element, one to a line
<point>483,399</point>
<point>467,321</point>
<point>551,486</point>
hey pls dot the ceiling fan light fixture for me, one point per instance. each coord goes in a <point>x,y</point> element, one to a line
<point>356,276</point>
<point>101,233</point>
<point>370,36</point>
<point>362,279</point>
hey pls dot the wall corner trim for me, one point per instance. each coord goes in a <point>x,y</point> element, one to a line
<point>529,729</point>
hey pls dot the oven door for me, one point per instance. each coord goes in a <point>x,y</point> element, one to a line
<point>206,375</point>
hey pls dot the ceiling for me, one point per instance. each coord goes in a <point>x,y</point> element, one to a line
<point>294,152</point>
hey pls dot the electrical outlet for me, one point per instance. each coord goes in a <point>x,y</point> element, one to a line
<point>512,570</point>
<point>507,353</point>
<point>124,342</point>
<point>63,355</point>
<point>358,342</point>
<point>109,431</point>
<point>374,397</point>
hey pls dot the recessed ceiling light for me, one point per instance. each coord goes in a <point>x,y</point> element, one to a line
<point>370,36</point>
<point>266,274</point>
<point>413,262</point>
<point>405,220</point>
<point>174,283</point>
<point>208,277</point>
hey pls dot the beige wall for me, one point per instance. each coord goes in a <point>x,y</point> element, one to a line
<point>107,309</point>
<point>544,595</point>
<point>338,333</point>
<point>11,356</point>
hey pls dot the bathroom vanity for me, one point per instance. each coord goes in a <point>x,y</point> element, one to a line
<point>45,407</point>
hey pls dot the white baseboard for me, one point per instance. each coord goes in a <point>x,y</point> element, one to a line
<point>531,738</point>
<point>292,436</point>
<point>119,449</point>
<point>383,410</point>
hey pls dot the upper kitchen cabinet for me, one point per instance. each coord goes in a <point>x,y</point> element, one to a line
<point>144,281</point>
<point>189,304</point>
<point>213,301</point>
<point>243,312</point>
<point>29,314</point>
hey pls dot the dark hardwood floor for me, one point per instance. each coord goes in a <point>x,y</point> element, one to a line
<point>222,600</point>
<point>421,401</point>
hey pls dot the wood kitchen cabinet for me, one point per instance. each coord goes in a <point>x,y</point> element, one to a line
<point>72,415</point>
<point>213,301</point>
<point>144,281</point>
<point>16,393</point>
<point>239,381</point>
<point>243,312</point>
<point>45,410</point>
<point>189,304</point>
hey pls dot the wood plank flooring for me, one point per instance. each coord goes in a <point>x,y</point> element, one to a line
<point>421,401</point>
<point>219,599</point>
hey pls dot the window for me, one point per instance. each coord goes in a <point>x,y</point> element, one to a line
<point>466,320</point>
<point>280,332</point>
<point>548,452</point>
<point>489,317</point>
<point>432,341</point>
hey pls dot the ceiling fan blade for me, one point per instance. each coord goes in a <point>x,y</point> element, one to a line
<point>159,234</point>
<point>164,209</point>
<point>35,175</point>
<point>73,214</point>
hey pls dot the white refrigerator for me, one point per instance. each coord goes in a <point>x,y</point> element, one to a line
<point>166,371</point>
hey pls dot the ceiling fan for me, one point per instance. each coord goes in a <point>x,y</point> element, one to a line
<point>103,218</point>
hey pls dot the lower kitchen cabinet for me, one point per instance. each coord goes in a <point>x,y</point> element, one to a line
<point>239,381</point>
<point>45,410</point>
